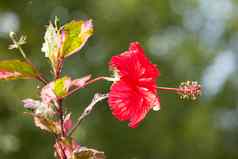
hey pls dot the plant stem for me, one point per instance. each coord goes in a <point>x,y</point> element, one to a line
<point>58,68</point>
<point>61,148</point>
<point>59,103</point>
<point>40,76</point>
<point>42,79</point>
<point>17,44</point>
<point>97,97</point>
<point>87,83</point>
<point>61,115</point>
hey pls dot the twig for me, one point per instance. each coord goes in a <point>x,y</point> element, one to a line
<point>59,67</point>
<point>61,148</point>
<point>87,83</point>
<point>59,103</point>
<point>40,76</point>
<point>61,115</point>
<point>97,97</point>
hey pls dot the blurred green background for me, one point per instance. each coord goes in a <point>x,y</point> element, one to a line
<point>187,39</point>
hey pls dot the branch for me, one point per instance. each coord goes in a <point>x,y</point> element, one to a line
<point>97,97</point>
<point>59,67</point>
<point>61,115</point>
<point>88,83</point>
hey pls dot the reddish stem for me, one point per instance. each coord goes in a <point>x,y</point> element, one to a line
<point>61,114</point>
<point>61,148</point>
<point>60,110</point>
<point>42,79</point>
<point>40,76</point>
<point>58,68</point>
<point>87,83</point>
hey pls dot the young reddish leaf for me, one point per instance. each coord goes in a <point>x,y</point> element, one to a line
<point>47,93</point>
<point>31,103</point>
<point>16,69</point>
<point>76,35</point>
<point>47,124</point>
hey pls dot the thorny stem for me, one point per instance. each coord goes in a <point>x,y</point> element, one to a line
<point>97,97</point>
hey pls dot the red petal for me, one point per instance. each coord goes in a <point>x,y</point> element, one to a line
<point>131,104</point>
<point>132,97</point>
<point>134,64</point>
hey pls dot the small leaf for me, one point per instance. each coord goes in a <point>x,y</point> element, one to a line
<point>47,124</point>
<point>31,103</point>
<point>16,69</point>
<point>47,93</point>
<point>61,86</point>
<point>87,153</point>
<point>54,89</point>
<point>50,46</point>
<point>76,35</point>
<point>53,42</point>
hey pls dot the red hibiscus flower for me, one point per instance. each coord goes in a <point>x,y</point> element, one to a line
<point>135,93</point>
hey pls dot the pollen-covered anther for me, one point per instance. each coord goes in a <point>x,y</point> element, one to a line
<point>189,90</point>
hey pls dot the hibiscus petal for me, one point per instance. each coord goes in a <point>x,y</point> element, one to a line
<point>135,93</point>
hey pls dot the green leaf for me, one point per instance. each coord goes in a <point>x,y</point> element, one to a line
<point>61,86</point>
<point>16,69</point>
<point>76,35</point>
